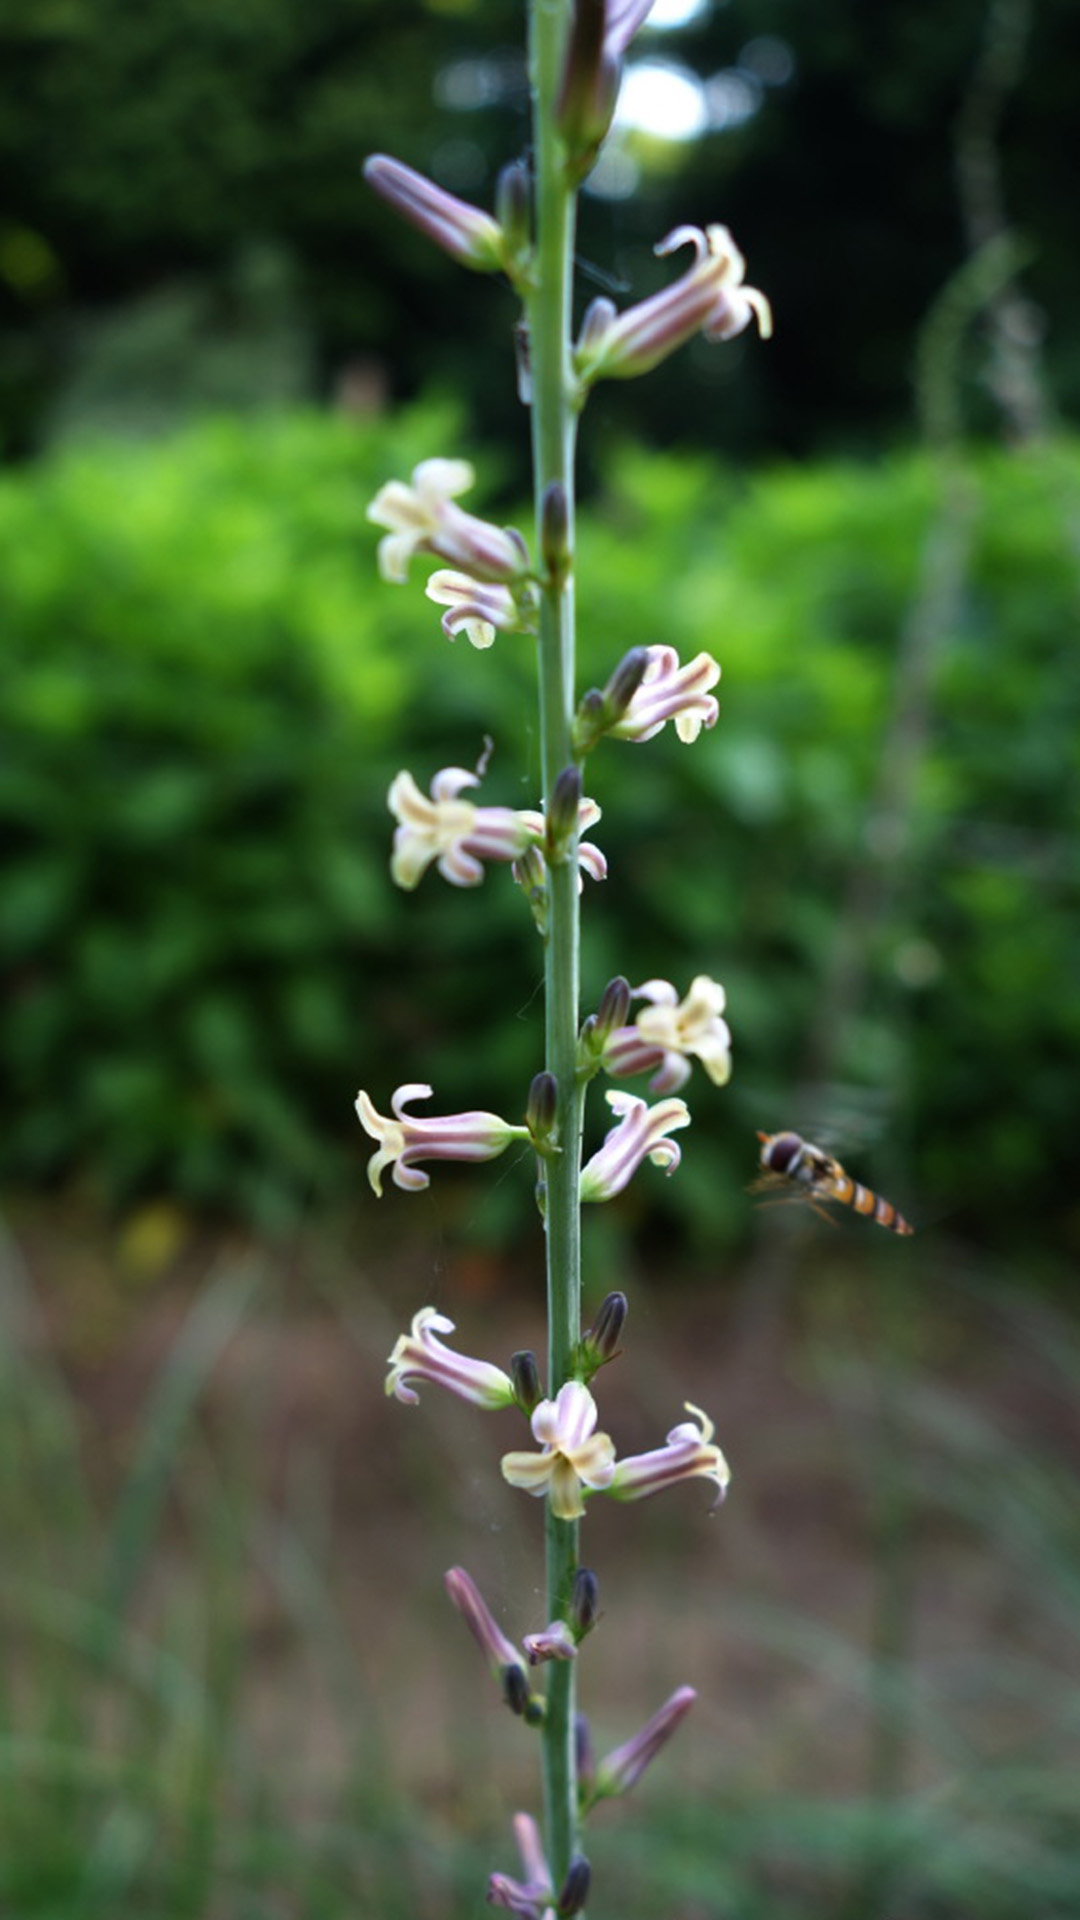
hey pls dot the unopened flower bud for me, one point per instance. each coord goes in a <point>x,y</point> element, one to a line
<point>624,1768</point>
<point>563,812</point>
<point>625,681</point>
<point>614,1008</point>
<point>589,89</point>
<point>575,1888</point>
<point>525,1374</point>
<point>463,231</point>
<point>598,713</point>
<point>584,1603</point>
<point>584,1758</point>
<point>512,204</point>
<point>540,1114</point>
<point>555,532</point>
<point>516,1691</point>
<point>531,875</point>
<point>590,721</point>
<point>606,1331</point>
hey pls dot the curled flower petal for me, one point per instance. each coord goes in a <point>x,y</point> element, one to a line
<point>710,298</point>
<point>421,1355</point>
<point>554,1642</point>
<point>421,518</point>
<point>405,1139</point>
<point>476,608</point>
<point>640,1135</point>
<point>688,1453</point>
<point>669,691</point>
<point>455,833</point>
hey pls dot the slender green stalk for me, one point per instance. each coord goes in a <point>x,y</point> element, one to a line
<point>553,430</point>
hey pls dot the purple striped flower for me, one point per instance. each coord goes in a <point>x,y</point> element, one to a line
<point>641,1134</point>
<point>404,1140</point>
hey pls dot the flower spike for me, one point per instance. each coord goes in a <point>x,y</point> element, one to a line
<point>688,1453</point>
<point>574,1455</point>
<point>640,1135</point>
<point>421,1355</point>
<point>422,518</point>
<point>710,298</point>
<point>404,1140</point>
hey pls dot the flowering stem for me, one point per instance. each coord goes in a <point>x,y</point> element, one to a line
<point>553,432</point>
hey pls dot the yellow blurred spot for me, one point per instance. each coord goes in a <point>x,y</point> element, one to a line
<point>150,1238</point>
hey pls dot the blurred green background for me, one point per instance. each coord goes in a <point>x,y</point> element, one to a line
<point>226,1682</point>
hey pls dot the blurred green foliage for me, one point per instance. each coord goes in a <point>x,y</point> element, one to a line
<point>207,691</point>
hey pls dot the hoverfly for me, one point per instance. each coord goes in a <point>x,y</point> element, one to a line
<point>791,1162</point>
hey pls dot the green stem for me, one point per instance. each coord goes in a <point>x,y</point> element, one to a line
<point>553,432</point>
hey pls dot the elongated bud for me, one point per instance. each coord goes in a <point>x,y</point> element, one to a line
<point>584,1757</point>
<point>525,1375</point>
<point>513,207</point>
<point>625,681</point>
<point>471,237</point>
<point>624,1768</point>
<point>563,811</point>
<point>575,1888</point>
<point>584,1603</point>
<point>555,532</point>
<point>531,875</point>
<point>590,721</point>
<point>614,1008</point>
<point>606,1331</point>
<point>589,89</point>
<point>599,712</point>
<point>516,1690</point>
<point>540,1113</point>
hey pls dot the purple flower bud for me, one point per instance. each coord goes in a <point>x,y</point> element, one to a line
<point>525,1374</point>
<point>469,236</point>
<point>590,87</point>
<point>514,208</point>
<point>602,1340</point>
<point>624,1768</point>
<point>584,1602</point>
<point>575,1888</point>
<point>614,1007</point>
<point>555,532</point>
<point>584,1759</point>
<point>542,1110</point>
<point>563,812</point>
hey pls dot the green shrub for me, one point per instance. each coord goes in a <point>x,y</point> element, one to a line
<point>207,691</point>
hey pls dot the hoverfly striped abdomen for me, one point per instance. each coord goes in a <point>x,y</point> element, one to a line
<point>788,1158</point>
